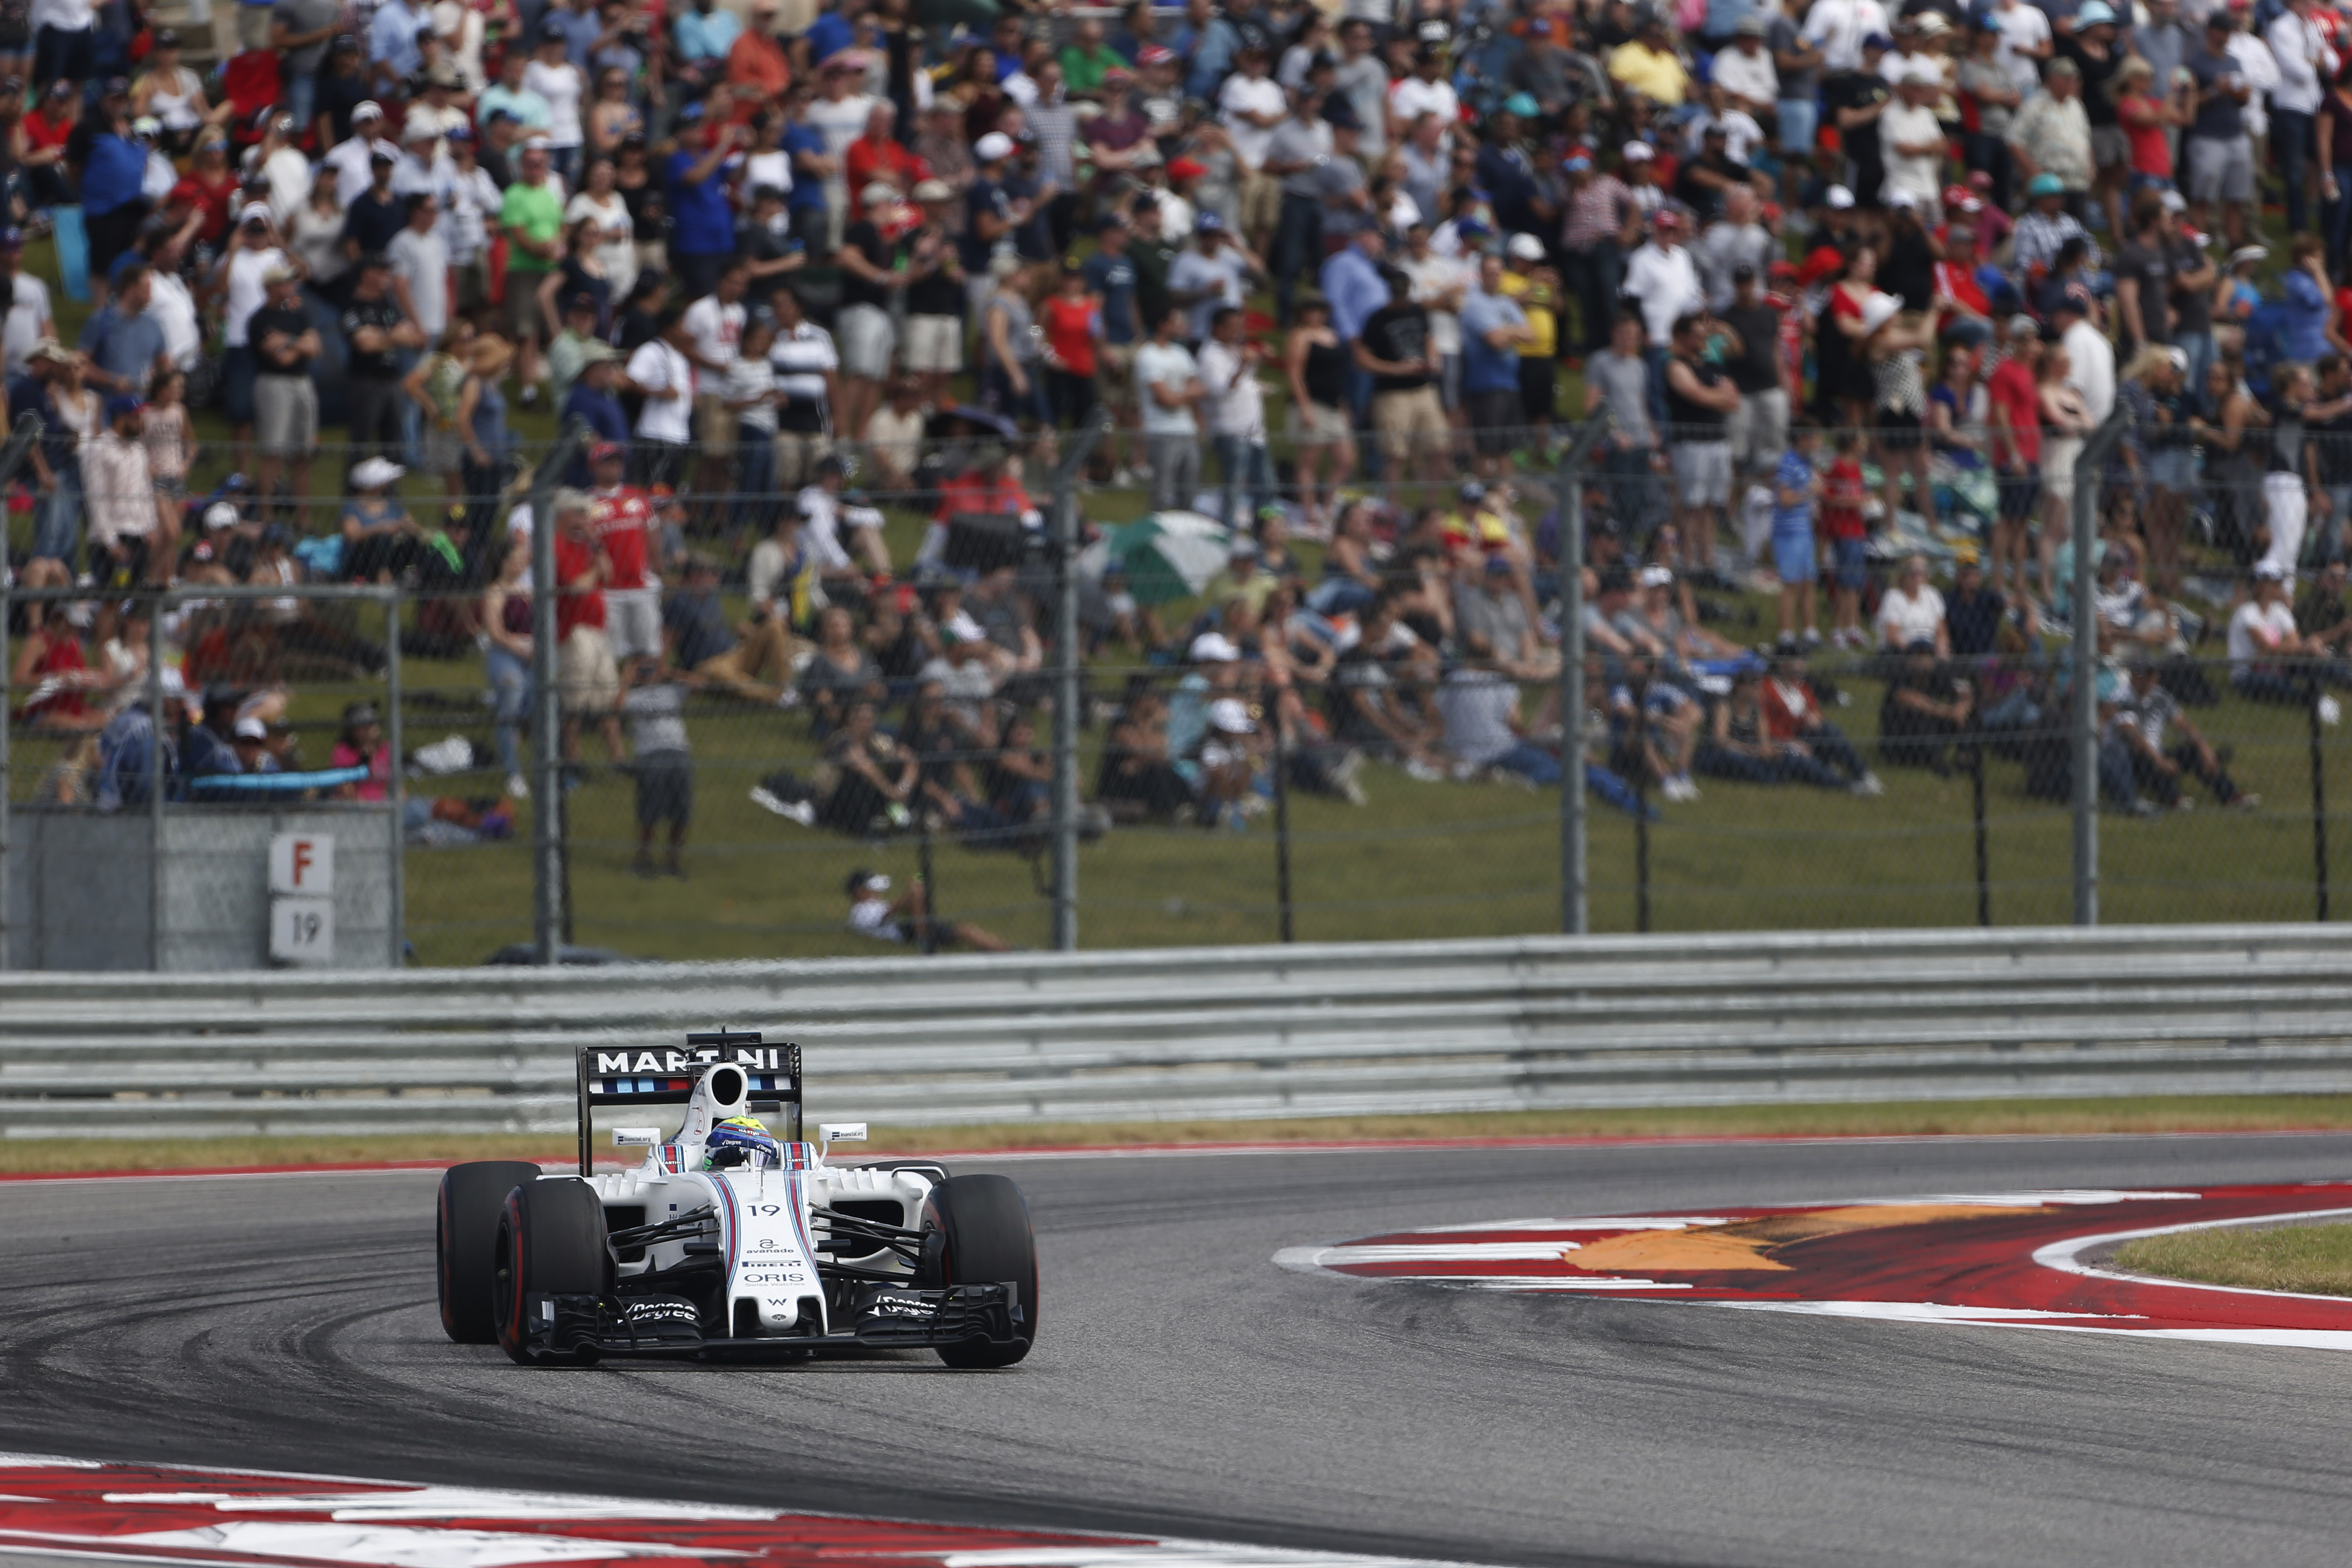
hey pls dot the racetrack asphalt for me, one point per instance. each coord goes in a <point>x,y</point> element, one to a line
<point>1185,1386</point>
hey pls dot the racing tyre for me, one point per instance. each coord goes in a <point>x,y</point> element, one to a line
<point>550,1239</point>
<point>464,1221</point>
<point>983,1223</point>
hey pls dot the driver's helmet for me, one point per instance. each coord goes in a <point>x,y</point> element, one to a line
<point>740,1141</point>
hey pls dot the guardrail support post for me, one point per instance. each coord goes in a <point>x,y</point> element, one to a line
<point>2088,469</point>
<point>155,783</point>
<point>2318,802</point>
<point>1066,537</point>
<point>1575,911</point>
<point>549,912</point>
<point>397,795</point>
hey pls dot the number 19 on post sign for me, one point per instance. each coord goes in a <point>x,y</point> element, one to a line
<point>303,931</point>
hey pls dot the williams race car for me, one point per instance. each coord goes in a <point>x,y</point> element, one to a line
<point>729,1241</point>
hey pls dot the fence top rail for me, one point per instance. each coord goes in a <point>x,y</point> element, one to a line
<point>2255,941</point>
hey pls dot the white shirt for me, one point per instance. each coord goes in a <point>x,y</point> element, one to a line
<point>2257,629</point>
<point>1740,132</point>
<point>171,306</point>
<point>718,332</point>
<point>2023,28</point>
<point>423,259</point>
<point>840,123</point>
<point>1902,122</point>
<point>247,291</point>
<point>350,159</point>
<point>469,200</point>
<point>822,508</point>
<point>2255,59</point>
<point>1904,619</point>
<point>1411,97</point>
<point>289,176</point>
<point>67,16</point>
<point>1261,94</point>
<point>1236,406</point>
<point>750,378</point>
<point>657,367</point>
<point>1839,26</point>
<point>28,322</point>
<point>1172,368</point>
<point>1747,76</point>
<point>2093,369</point>
<point>561,86</point>
<point>1666,282</point>
<point>764,168</point>
<point>1434,276</point>
<point>2304,58</point>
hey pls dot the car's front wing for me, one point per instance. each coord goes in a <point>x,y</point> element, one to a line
<point>586,1328</point>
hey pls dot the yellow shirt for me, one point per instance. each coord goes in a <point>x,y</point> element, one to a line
<point>1655,75</point>
<point>1541,309</point>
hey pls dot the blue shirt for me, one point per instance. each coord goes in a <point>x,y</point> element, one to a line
<point>123,345</point>
<point>580,30</point>
<point>830,34</point>
<point>1209,52</point>
<point>392,38</point>
<point>2306,313</point>
<point>704,219</point>
<point>1113,278</point>
<point>805,194</point>
<point>1795,474</point>
<point>112,176</point>
<point>1485,368</point>
<point>1351,281</point>
<point>606,422</point>
<point>701,38</point>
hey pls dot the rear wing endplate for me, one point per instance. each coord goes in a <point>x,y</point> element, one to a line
<point>617,1076</point>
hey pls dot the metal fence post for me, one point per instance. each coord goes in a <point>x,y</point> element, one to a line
<point>2318,802</point>
<point>1575,911</point>
<point>155,889</point>
<point>548,890</point>
<point>1065,536</point>
<point>398,794</point>
<point>1282,819</point>
<point>2089,468</point>
<point>20,441</point>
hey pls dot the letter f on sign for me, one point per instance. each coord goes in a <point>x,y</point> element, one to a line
<point>301,860</point>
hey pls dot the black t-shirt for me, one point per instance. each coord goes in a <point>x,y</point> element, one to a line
<point>984,195</point>
<point>1757,368</point>
<point>1706,200</point>
<point>373,220</point>
<point>1397,333</point>
<point>756,242</point>
<point>1897,720</point>
<point>1973,621</point>
<point>382,364</point>
<point>1153,259</point>
<point>867,241</point>
<point>937,293</point>
<point>293,322</point>
<point>2098,102</point>
<point>2149,266</point>
<point>1908,268</point>
<point>2192,308</point>
<point>1859,89</point>
<point>337,96</point>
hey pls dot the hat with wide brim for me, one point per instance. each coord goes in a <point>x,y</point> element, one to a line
<point>375,473</point>
<point>1879,310</point>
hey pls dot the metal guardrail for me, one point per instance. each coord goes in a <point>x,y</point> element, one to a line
<point>1529,1023</point>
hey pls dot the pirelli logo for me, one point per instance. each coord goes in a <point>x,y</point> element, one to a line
<point>759,1059</point>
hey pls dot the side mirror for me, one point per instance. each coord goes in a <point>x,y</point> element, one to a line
<point>831,1132</point>
<point>635,1137</point>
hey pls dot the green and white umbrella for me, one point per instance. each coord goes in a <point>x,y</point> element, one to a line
<point>1168,555</point>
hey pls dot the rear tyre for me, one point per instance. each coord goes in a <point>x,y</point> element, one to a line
<point>464,1220</point>
<point>550,1240</point>
<point>983,1225</point>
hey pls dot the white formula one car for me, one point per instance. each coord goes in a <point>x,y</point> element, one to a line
<point>729,1241</point>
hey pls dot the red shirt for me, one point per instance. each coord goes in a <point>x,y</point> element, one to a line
<point>868,159</point>
<point>1069,328</point>
<point>620,518</point>
<point>211,197</point>
<point>971,493</point>
<point>1961,285</point>
<point>1842,500</point>
<point>2011,390</point>
<point>40,133</point>
<point>575,559</point>
<point>2150,154</point>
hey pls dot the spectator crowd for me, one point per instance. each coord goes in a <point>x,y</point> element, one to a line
<point>1856,286</point>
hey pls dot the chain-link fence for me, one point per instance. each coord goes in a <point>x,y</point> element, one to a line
<point>1347,729</point>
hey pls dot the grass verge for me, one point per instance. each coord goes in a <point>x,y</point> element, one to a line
<point>2218,1113</point>
<point>2314,1259</point>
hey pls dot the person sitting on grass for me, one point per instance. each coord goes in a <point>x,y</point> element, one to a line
<point>655,706</point>
<point>2265,648</point>
<point>2144,715</point>
<point>1739,744</point>
<point>1655,725</point>
<point>1792,716</point>
<point>907,920</point>
<point>1924,711</point>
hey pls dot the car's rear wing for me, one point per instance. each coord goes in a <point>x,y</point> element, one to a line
<point>613,1075</point>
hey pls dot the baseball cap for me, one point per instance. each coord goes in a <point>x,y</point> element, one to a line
<point>932,191</point>
<point>1658,576</point>
<point>865,881</point>
<point>1525,247</point>
<point>221,514</point>
<point>250,727</point>
<point>1186,168</point>
<point>1214,647</point>
<point>875,193</point>
<point>1637,152</point>
<point>2270,572</point>
<point>996,144</point>
<point>123,403</point>
<point>367,109</point>
<point>606,452</point>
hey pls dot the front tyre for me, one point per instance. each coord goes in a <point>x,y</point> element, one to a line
<point>983,1225</point>
<point>550,1241</point>
<point>464,1220</point>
